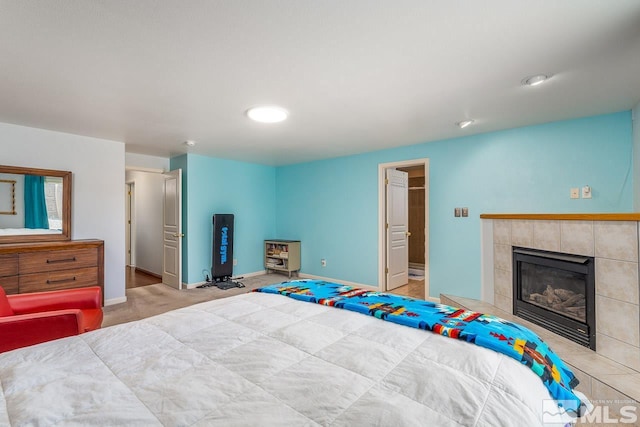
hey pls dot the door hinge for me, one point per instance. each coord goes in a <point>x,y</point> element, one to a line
<point>129,221</point>
<point>129,193</point>
<point>386,270</point>
<point>386,181</point>
<point>387,226</point>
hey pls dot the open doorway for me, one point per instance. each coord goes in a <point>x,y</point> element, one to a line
<point>143,227</point>
<point>417,214</point>
<point>404,211</point>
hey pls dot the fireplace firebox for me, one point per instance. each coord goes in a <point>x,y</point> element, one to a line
<point>556,291</point>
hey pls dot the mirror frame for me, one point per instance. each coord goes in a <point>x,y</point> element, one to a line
<point>66,205</point>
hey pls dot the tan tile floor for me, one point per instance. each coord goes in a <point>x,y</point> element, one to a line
<point>413,289</point>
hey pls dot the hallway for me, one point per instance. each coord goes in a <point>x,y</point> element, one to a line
<point>136,278</point>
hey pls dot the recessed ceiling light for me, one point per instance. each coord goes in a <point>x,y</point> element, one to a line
<point>536,80</point>
<point>463,124</point>
<point>267,114</point>
<point>189,143</point>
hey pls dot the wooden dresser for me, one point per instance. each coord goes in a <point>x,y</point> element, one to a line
<point>48,266</point>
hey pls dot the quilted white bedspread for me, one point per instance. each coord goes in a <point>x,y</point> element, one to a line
<point>263,359</point>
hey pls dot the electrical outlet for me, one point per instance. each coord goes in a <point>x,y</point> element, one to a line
<point>323,262</point>
<point>575,193</point>
<point>235,261</point>
<point>456,212</point>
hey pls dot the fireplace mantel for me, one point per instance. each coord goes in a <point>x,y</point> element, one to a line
<point>631,216</point>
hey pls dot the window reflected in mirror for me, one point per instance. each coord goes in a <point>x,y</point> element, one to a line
<point>7,197</point>
<point>53,200</point>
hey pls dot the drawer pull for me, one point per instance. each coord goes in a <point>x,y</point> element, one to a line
<point>54,261</point>
<point>51,282</point>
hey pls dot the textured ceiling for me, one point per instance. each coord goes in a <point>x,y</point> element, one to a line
<point>356,75</point>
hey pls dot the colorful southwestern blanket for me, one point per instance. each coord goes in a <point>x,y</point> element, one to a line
<point>511,339</point>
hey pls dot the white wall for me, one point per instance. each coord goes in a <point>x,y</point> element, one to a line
<point>635,120</point>
<point>98,180</point>
<point>147,219</point>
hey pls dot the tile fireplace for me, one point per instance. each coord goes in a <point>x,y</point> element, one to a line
<point>556,291</point>
<point>611,240</point>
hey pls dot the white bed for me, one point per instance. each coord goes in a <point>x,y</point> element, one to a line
<point>264,359</point>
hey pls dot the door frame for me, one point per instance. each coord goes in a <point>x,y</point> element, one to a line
<point>382,238</point>
<point>130,223</point>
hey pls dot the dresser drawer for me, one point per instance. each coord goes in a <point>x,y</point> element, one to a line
<point>53,280</point>
<point>10,284</point>
<point>8,265</point>
<point>38,262</point>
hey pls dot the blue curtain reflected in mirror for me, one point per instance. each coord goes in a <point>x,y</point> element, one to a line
<point>35,206</point>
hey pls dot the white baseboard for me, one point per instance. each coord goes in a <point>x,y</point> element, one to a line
<point>192,285</point>
<point>196,284</point>
<point>113,301</point>
<point>255,273</point>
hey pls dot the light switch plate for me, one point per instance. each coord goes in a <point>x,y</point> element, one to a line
<point>586,192</point>
<point>465,212</point>
<point>456,212</point>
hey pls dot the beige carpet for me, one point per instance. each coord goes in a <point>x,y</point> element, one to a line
<point>151,300</point>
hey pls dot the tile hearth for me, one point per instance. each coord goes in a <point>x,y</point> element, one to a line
<point>601,379</point>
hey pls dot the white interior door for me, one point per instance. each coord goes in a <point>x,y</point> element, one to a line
<point>172,229</point>
<point>397,228</point>
<point>127,228</point>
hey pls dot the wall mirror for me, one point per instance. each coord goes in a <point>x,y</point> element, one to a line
<point>41,205</point>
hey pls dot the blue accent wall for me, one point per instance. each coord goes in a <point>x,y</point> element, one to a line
<point>211,186</point>
<point>332,205</point>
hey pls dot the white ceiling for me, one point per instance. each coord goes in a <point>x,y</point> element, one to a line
<point>356,75</point>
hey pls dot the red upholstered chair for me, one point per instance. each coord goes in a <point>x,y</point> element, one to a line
<point>27,319</point>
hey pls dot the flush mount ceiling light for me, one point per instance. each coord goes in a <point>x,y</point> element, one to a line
<point>267,114</point>
<point>463,124</point>
<point>189,143</point>
<point>536,80</point>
